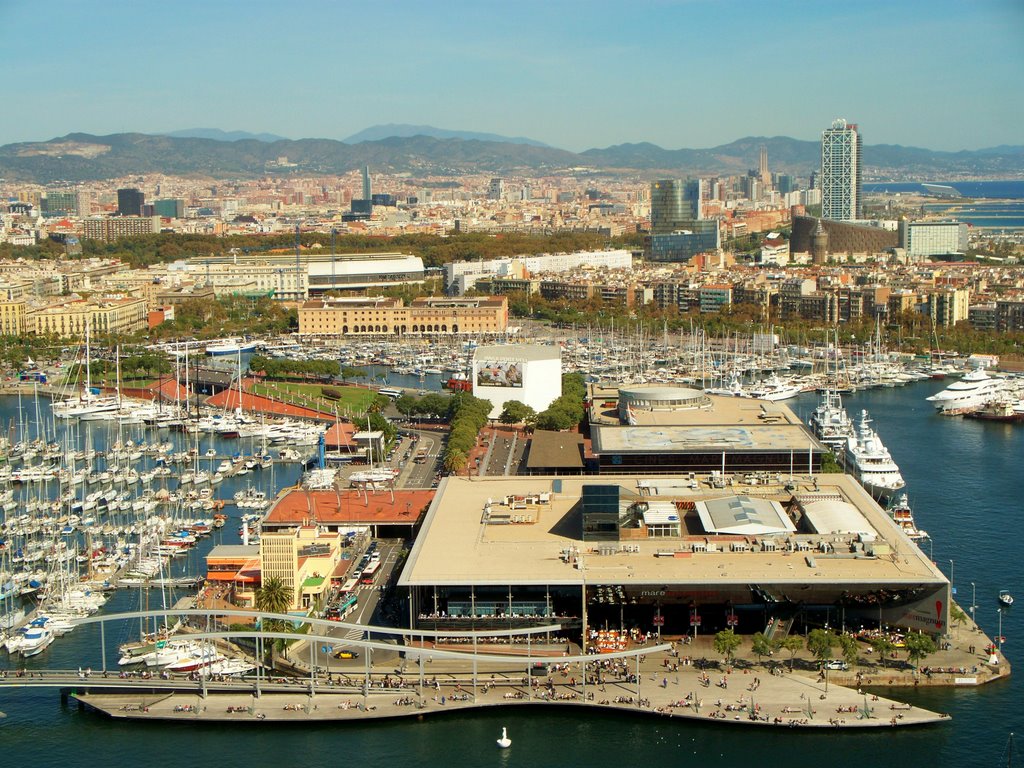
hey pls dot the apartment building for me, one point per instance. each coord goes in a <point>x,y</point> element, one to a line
<point>12,317</point>
<point>114,228</point>
<point>105,315</point>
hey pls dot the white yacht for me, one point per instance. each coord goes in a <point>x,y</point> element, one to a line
<point>830,422</point>
<point>230,347</point>
<point>899,510</point>
<point>774,389</point>
<point>968,394</point>
<point>36,637</point>
<point>869,461</point>
<point>87,405</point>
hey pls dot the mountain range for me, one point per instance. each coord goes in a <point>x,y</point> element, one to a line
<point>218,135</point>
<point>84,157</point>
<point>405,131</point>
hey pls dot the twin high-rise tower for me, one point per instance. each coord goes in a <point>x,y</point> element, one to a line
<point>841,197</point>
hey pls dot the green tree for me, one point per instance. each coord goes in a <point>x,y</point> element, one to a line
<point>273,597</point>
<point>883,646</point>
<point>726,642</point>
<point>762,646</point>
<point>791,643</point>
<point>516,412</point>
<point>557,418</point>
<point>956,614</point>
<point>434,404</point>
<point>406,404</point>
<point>349,372</point>
<point>848,647</point>
<point>918,646</point>
<point>455,461</point>
<point>820,643</point>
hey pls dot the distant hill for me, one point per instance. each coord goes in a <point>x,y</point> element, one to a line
<point>405,131</point>
<point>84,157</point>
<point>218,135</point>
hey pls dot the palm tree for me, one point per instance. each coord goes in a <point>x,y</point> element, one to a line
<point>455,461</point>
<point>273,597</point>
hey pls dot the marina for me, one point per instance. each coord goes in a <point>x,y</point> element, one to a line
<point>178,708</point>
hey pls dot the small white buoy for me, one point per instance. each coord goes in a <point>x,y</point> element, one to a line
<point>504,742</point>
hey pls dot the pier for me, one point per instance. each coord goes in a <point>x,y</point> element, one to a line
<point>400,674</point>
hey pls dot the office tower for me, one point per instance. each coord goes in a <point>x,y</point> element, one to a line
<point>762,168</point>
<point>841,172</point>
<point>130,202</point>
<point>496,189</point>
<point>693,199</point>
<point>752,187</point>
<point>666,206</point>
<point>170,208</point>
<point>785,183</point>
<point>675,205</point>
<point>367,186</point>
<point>60,204</point>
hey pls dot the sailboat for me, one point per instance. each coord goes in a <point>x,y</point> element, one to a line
<point>89,401</point>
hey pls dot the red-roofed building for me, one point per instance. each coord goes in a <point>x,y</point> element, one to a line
<point>389,513</point>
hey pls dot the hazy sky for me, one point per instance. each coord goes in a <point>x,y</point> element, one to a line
<point>942,74</point>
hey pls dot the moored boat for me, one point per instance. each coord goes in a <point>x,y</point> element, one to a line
<point>870,462</point>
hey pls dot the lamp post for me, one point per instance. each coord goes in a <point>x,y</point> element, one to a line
<point>974,600</point>
<point>999,638</point>
<point>952,589</point>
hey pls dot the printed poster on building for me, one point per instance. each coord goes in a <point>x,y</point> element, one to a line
<point>499,373</point>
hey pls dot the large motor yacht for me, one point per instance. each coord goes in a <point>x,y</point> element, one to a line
<point>969,394</point>
<point>830,422</point>
<point>869,461</point>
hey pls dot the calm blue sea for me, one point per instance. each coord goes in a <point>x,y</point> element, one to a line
<point>991,190</point>
<point>966,486</point>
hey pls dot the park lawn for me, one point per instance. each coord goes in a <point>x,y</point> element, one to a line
<point>354,399</point>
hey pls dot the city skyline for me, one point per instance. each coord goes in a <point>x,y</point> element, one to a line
<point>574,75</point>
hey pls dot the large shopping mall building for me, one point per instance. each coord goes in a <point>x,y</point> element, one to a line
<point>762,551</point>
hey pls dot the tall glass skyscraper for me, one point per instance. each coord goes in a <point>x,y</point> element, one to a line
<point>130,202</point>
<point>367,184</point>
<point>841,172</point>
<point>675,205</point>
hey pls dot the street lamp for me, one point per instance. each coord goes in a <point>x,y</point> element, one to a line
<point>999,637</point>
<point>974,600</point>
<point>952,589</point>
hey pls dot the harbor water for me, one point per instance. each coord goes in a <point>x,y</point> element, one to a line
<point>964,482</point>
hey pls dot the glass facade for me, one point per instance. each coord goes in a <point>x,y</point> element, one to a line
<point>841,172</point>
<point>600,512</point>
<point>675,205</point>
<point>683,246</point>
<point>130,202</point>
